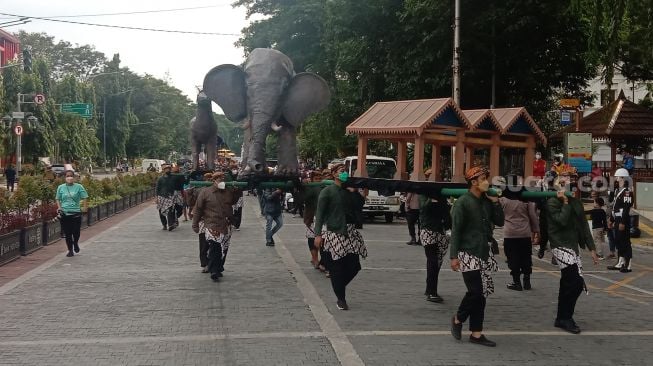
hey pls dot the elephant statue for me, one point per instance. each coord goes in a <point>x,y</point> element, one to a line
<point>203,131</point>
<point>266,95</point>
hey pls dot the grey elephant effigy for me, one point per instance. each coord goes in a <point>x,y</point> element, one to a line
<point>266,95</point>
<point>203,132</point>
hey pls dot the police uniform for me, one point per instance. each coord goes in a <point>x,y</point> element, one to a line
<point>623,201</point>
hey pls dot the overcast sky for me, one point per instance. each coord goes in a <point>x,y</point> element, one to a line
<point>186,57</point>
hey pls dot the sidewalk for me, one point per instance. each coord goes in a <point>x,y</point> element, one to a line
<point>135,296</point>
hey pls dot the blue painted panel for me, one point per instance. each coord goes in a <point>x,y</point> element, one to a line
<point>486,125</point>
<point>449,118</point>
<point>521,126</point>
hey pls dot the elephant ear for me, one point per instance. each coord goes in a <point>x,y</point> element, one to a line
<point>307,93</point>
<point>225,85</point>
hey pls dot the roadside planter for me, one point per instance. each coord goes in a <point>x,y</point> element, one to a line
<point>92,215</point>
<point>9,247</point>
<point>111,208</point>
<point>31,238</point>
<point>125,202</point>
<point>103,209</point>
<point>51,232</point>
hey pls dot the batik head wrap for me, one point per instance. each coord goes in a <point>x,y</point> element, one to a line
<point>475,172</point>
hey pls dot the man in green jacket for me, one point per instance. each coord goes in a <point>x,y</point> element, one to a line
<point>472,217</point>
<point>568,230</point>
<point>337,209</point>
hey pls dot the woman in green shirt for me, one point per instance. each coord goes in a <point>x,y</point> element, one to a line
<point>72,201</point>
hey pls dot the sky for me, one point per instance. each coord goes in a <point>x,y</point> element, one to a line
<point>186,58</point>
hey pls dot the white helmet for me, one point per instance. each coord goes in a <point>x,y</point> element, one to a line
<point>621,172</point>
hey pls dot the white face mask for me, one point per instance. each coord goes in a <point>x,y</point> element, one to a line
<point>221,185</point>
<point>70,180</point>
<point>538,156</point>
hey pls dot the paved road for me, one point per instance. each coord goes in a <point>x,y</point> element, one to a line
<point>135,296</point>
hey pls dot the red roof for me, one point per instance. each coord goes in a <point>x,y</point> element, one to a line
<point>10,37</point>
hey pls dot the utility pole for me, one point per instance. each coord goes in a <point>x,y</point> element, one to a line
<point>104,132</point>
<point>456,53</point>
<point>18,144</point>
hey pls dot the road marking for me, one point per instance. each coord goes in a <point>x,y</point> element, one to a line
<point>625,281</point>
<point>290,335</point>
<point>646,228</point>
<point>634,288</point>
<point>342,347</point>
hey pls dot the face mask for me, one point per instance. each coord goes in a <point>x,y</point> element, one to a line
<point>70,180</point>
<point>557,163</point>
<point>234,172</point>
<point>538,156</point>
<point>221,185</point>
<point>343,176</point>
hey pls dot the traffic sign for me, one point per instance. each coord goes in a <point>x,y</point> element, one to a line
<point>565,118</point>
<point>570,103</point>
<point>83,109</point>
<point>39,99</point>
<point>18,115</point>
<point>18,130</point>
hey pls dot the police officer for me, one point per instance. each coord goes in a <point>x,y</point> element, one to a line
<point>620,221</point>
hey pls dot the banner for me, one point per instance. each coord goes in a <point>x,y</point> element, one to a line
<point>579,151</point>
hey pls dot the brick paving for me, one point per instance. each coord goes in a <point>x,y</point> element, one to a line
<point>135,296</point>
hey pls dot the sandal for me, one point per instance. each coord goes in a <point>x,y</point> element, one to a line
<point>321,268</point>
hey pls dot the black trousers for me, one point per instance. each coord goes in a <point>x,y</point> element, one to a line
<point>432,269</point>
<point>204,250</point>
<point>473,304</point>
<point>10,185</point>
<point>571,286</point>
<point>622,241</point>
<point>412,217</point>
<point>342,272</point>
<point>325,259</point>
<point>216,261</point>
<point>170,217</point>
<point>238,217</point>
<point>518,252</point>
<point>71,226</point>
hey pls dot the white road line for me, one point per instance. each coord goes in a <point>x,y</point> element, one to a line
<point>281,335</point>
<point>342,347</point>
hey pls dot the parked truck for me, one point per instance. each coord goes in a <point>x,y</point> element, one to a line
<point>375,204</point>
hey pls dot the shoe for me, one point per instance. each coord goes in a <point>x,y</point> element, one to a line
<point>515,286</point>
<point>554,261</point>
<point>70,254</point>
<point>342,305</point>
<point>614,268</point>
<point>185,219</point>
<point>269,244</point>
<point>237,229</point>
<point>205,269</point>
<point>625,270</point>
<point>567,325</point>
<point>456,329</point>
<point>482,341</point>
<point>540,253</point>
<point>411,242</point>
<point>219,274</point>
<point>327,274</point>
<point>527,282</point>
<point>172,227</point>
<point>272,241</point>
<point>601,258</point>
<point>215,277</point>
<point>164,228</point>
<point>611,256</point>
<point>76,247</point>
<point>434,298</point>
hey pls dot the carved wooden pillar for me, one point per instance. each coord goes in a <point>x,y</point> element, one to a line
<point>402,157</point>
<point>495,155</point>
<point>418,159</point>
<point>459,157</point>
<point>361,166</point>
<point>529,156</point>
<point>435,162</point>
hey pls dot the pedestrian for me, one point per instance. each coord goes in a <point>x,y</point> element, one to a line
<point>336,208</point>
<point>539,166</point>
<point>178,196</point>
<point>10,175</point>
<point>311,195</point>
<point>620,222</point>
<point>238,210</point>
<point>72,202</point>
<point>165,199</point>
<point>568,230</point>
<point>435,220</point>
<point>629,162</point>
<point>214,208</point>
<point>412,217</point>
<point>599,226</point>
<point>191,196</point>
<point>472,216</point>
<point>521,231</point>
<point>273,214</point>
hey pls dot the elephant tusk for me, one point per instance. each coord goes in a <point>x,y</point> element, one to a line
<point>276,127</point>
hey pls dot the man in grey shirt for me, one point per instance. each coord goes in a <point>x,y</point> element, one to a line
<point>520,232</point>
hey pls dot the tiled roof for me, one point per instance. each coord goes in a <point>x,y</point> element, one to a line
<point>404,117</point>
